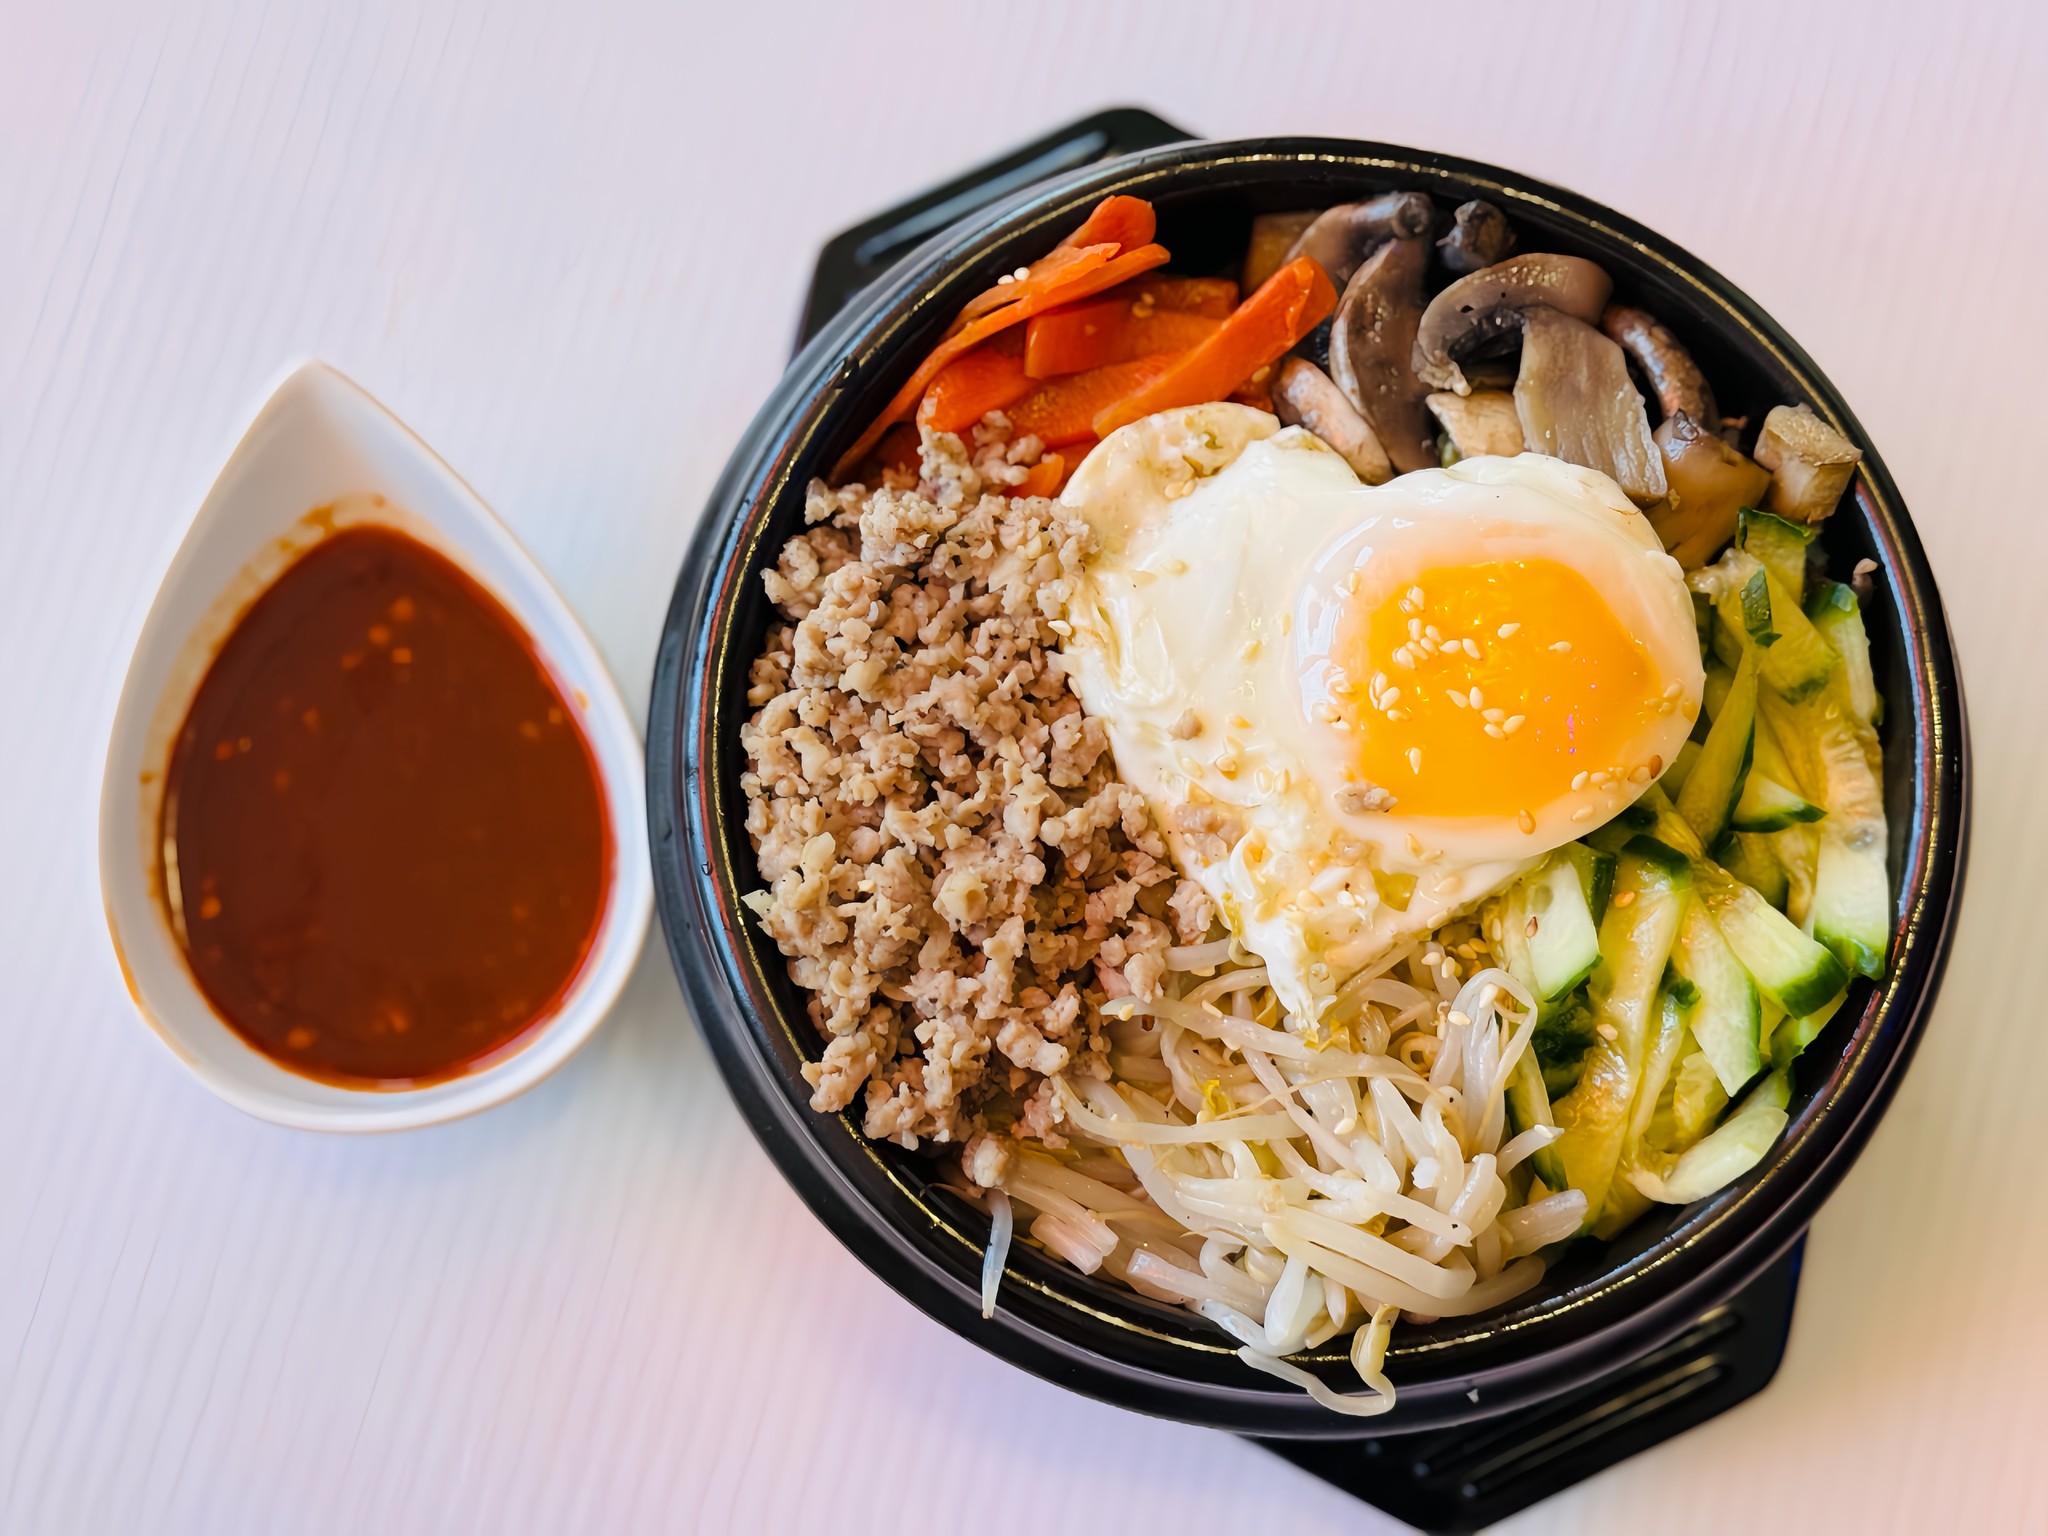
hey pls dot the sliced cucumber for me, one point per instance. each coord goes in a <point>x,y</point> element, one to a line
<point>1697,1097</point>
<point>1797,850</point>
<point>1548,911</point>
<point>1681,767</point>
<point>1725,1155</point>
<point>1596,876</point>
<point>1766,805</point>
<point>1709,793</point>
<point>1560,1044</point>
<point>1751,602</point>
<point>1529,1106</point>
<point>1780,546</point>
<point>1748,857</point>
<point>1728,1020</point>
<point>1720,678</point>
<point>1797,664</point>
<point>1794,1035</point>
<point>1834,753</point>
<point>1851,912</point>
<point>1635,942</point>
<point>1790,968</point>
<point>1839,618</point>
<point>1676,999</point>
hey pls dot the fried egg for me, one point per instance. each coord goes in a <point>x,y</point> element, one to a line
<point>1358,711</point>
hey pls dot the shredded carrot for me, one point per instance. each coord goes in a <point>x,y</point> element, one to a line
<point>1062,411</point>
<point>1111,329</point>
<point>989,378</point>
<point>1035,299</point>
<point>1287,306</point>
<point>1048,271</point>
<point>1045,477</point>
<point>1126,222</point>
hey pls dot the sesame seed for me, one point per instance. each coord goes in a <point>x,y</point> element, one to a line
<point>1495,715</point>
<point>1415,629</point>
<point>1472,649</point>
<point>1435,635</point>
<point>1656,764</point>
<point>1507,631</point>
<point>1238,722</point>
<point>1864,568</point>
<point>1396,716</point>
<point>1455,1017</point>
<point>1530,930</point>
<point>1563,647</point>
<point>1389,697</point>
<point>1478,701</point>
<point>1579,779</point>
<point>1583,813</point>
<point>1414,846</point>
<point>1598,778</point>
<point>1640,774</point>
<point>1624,899</point>
<point>1326,714</point>
<point>1415,759</point>
<point>1495,731</point>
<point>1513,723</point>
<point>1405,658</point>
<point>1459,699</point>
<point>1249,650</point>
<point>1674,691</point>
<point>1525,821</point>
<point>1415,595</point>
<point>1607,1032</point>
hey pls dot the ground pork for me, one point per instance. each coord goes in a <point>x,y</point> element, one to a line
<point>953,871</point>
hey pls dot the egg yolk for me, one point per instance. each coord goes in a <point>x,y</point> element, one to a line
<point>1488,689</point>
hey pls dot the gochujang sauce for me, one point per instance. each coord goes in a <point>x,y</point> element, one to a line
<point>384,838</point>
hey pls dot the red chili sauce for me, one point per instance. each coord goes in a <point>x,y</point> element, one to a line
<point>384,839</point>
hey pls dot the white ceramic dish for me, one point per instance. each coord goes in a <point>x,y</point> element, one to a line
<point>320,442</point>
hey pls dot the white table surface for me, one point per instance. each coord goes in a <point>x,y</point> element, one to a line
<point>567,242</point>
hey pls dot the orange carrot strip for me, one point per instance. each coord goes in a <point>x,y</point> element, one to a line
<point>1215,297</point>
<point>989,378</point>
<point>1079,286</point>
<point>1063,411</point>
<point>1287,306</point>
<point>1111,329</point>
<point>1126,222</point>
<point>1048,271</point>
<point>1044,478</point>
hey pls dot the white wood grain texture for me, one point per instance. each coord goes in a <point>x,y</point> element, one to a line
<point>567,243</point>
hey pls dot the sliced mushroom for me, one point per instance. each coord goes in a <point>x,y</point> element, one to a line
<point>1577,402</point>
<point>1342,237</point>
<point>1810,463</point>
<point>1305,396</point>
<point>1372,343</point>
<point>1480,236</point>
<point>1488,305</point>
<point>1481,423</point>
<point>1709,484</point>
<point>1674,378</point>
<point>1273,236</point>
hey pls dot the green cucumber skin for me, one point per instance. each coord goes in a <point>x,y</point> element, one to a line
<point>1767,805</point>
<point>1728,1022</point>
<point>1711,790</point>
<point>1529,1106</point>
<point>1778,544</point>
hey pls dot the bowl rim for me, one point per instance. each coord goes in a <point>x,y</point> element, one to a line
<point>1721,1244</point>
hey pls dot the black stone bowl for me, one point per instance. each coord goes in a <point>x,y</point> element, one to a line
<point>1605,1303</point>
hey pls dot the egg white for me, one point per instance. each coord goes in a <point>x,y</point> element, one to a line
<point>1226,547</point>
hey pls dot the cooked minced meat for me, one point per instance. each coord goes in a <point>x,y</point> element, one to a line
<point>956,875</point>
